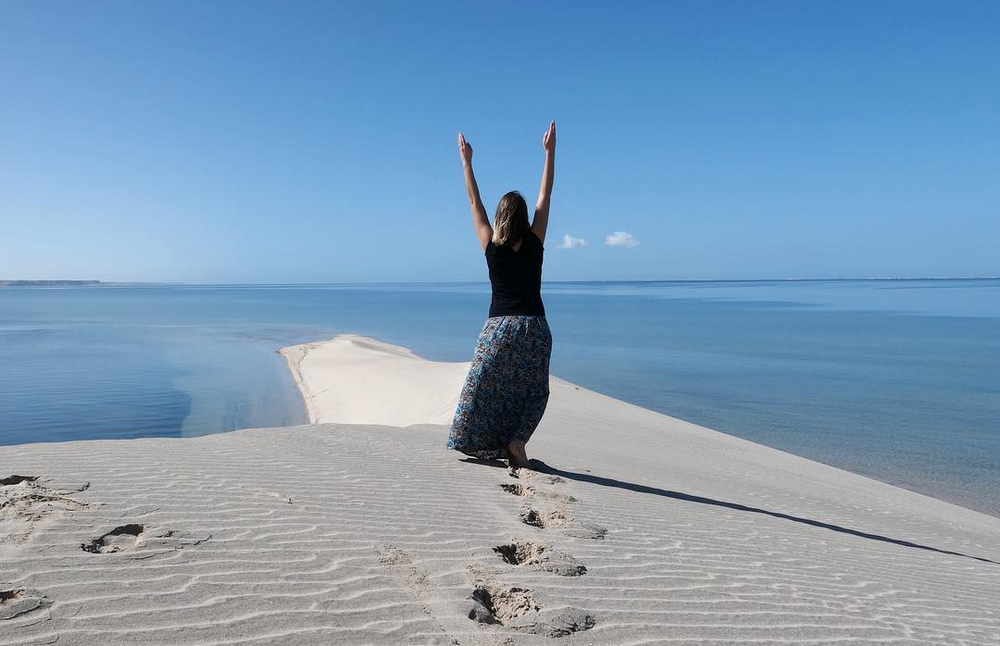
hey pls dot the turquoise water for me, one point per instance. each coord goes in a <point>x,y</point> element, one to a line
<point>898,380</point>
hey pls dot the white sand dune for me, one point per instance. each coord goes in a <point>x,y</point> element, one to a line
<point>362,528</point>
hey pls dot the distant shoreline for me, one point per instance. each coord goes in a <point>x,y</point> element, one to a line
<point>623,281</point>
<point>47,283</point>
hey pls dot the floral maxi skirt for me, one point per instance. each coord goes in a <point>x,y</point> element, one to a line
<point>507,387</point>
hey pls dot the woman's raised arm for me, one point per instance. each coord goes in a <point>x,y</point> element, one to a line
<point>479,219</point>
<point>541,220</point>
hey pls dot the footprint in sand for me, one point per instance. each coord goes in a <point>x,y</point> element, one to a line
<point>401,563</point>
<point>19,601</point>
<point>126,538</point>
<point>551,515</point>
<point>540,557</point>
<point>528,490</point>
<point>119,539</point>
<point>25,501</point>
<point>556,519</point>
<point>518,489</point>
<point>14,480</point>
<point>516,608</point>
<point>48,485</point>
<point>528,474</point>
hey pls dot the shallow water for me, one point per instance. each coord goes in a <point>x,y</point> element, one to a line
<point>898,380</point>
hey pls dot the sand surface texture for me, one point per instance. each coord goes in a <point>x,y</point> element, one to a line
<point>647,530</point>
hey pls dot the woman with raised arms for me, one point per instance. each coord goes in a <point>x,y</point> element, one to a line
<point>507,387</point>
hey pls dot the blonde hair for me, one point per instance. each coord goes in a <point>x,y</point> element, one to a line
<point>511,220</point>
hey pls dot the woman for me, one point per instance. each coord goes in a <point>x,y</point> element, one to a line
<point>507,387</point>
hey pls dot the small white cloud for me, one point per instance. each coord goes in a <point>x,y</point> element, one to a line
<point>621,239</point>
<point>571,242</point>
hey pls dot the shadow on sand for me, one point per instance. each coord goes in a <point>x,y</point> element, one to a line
<point>541,467</point>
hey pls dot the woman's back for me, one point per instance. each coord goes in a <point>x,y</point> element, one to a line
<point>516,277</point>
<point>507,387</point>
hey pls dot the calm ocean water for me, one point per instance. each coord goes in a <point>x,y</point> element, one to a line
<point>897,380</point>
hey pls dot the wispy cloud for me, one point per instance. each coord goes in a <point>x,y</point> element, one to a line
<point>621,239</point>
<point>571,242</point>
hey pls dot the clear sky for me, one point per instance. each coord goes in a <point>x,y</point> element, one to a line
<point>316,142</point>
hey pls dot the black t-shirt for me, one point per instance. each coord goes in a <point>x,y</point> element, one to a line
<point>516,277</point>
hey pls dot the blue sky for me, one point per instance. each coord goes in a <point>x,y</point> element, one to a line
<point>316,142</point>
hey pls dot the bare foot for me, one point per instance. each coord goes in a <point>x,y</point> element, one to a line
<point>516,454</point>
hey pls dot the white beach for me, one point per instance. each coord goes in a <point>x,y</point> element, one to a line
<point>362,528</point>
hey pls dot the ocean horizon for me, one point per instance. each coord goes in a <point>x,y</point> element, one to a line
<point>893,378</point>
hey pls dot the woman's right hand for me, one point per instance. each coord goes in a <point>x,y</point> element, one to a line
<point>465,149</point>
<point>549,138</point>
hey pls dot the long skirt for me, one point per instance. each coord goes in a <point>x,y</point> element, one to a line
<point>507,387</point>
